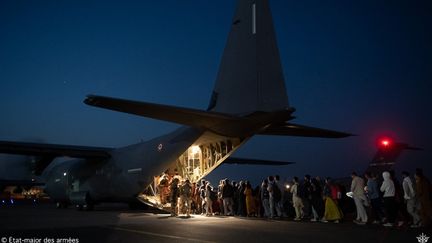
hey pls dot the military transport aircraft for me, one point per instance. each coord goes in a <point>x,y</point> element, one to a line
<point>384,159</point>
<point>249,98</point>
<point>387,154</point>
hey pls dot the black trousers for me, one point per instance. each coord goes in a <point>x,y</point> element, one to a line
<point>377,209</point>
<point>390,207</point>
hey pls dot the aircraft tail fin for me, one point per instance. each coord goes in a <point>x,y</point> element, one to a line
<point>250,76</point>
<point>249,96</point>
<point>385,158</point>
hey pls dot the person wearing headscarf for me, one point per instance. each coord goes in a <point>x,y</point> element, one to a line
<point>265,197</point>
<point>250,201</point>
<point>390,206</point>
<point>360,200</point>
<point>297,201</point>
<point>331,209</point>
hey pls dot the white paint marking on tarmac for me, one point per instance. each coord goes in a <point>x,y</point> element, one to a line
<point>159,235</point>
<point>253,19</point>
<point>135,170</point>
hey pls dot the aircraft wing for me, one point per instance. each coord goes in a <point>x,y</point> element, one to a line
<point>20,183</point>
<point>47,152</point>
<point>291,129</point>
<point>244,161</point>
<point>55,150</point>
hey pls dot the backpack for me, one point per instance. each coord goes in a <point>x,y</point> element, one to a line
<point>277,195</point>
<point>228,191</point>
<point>202,192</point>
<point>186,190</point>
<point>213,196</point>
<point>335,192</point>
<point>301,191</point>
<point>163,181</point>
<point>265,193</point>
<point>174,193</point>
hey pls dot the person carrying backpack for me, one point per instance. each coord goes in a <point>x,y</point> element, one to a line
<point>202,190</point>
<point>227,197</point>
<point>265,197</point>
<point>185,198</point>
<point>280,195</point>
<point>304,193</point>
<point>174,194</point>
<point>275,197</point>
<point>208,199</point>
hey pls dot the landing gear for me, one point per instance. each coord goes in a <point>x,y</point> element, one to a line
<point>85,207</point>
<point>88,206</point>
<point>61,205</point>
<point>82,200</point>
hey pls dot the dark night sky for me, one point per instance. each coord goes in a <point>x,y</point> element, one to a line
<point>363,67</point>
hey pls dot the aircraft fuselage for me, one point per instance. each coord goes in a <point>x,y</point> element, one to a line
<point>132,169</point>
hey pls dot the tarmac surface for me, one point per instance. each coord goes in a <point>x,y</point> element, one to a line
<point>116,223</point>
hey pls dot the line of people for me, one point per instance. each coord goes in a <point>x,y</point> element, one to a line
<point>315,200</point>
<point>393,203</point>
<point>272,199</point>
<point>228,198</point>
<point>310,199</point>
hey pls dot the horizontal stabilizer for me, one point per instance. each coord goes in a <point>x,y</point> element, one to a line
<point>408,147</point>
<point>45,153</point>
<point>291,129</point>
<point>185,116</point>
<point>243,161</point>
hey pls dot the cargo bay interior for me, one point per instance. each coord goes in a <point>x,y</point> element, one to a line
<point>205,155</point>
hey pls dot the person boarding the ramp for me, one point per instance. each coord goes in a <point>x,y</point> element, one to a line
<point>174,194</point>
<point>185,198</point>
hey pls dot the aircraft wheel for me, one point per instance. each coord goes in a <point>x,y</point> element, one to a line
<point>61,205</point>
<point>88,207</point>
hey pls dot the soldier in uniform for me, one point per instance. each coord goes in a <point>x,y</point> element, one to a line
<point>174,194</point>
<point>185,197</point>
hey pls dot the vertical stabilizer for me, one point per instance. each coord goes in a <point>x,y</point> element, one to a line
<point>250,76</point>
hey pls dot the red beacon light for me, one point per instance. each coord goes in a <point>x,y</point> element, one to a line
<point>385,142</point>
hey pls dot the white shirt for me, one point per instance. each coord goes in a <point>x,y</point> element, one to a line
<point>357,186</point>
<point>387,186</point>
<point>407,185</point>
